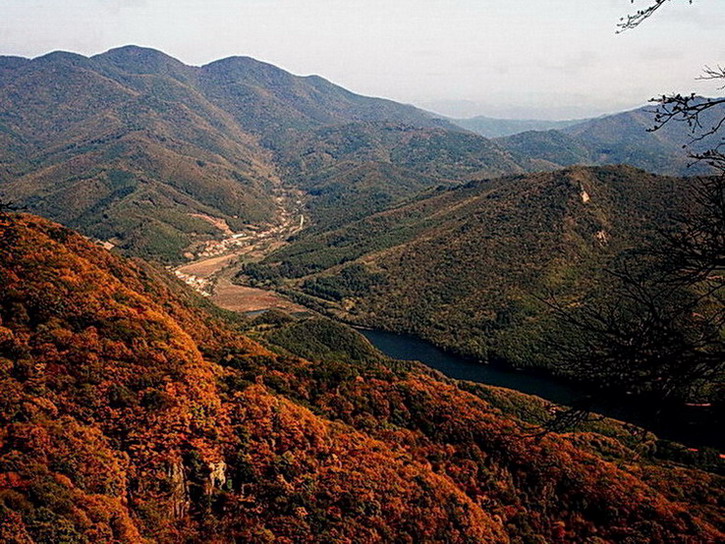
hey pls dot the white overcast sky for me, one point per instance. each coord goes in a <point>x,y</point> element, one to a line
<point>505,58</point>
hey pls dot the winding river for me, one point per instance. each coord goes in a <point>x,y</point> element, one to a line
<point>690,425</point>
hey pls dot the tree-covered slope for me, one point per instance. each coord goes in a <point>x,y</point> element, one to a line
<point>130,414</point>
<point>467,267</point>
<point>133,146</point>
<point>123,147</point>
<point>276,104</point>
<point>352,170</point>
<point>548,150</point>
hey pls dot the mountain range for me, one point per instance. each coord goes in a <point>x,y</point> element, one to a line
<point>132,145</point>
<point>138,149</point>
<point>492,127</point>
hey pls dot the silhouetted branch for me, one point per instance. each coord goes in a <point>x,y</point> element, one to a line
<point>713,73</point>
<point>645,332</point>
<point>635,19</point>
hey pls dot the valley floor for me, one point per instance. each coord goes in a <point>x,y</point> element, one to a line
<point>211,272</point>
<point>238,298</point>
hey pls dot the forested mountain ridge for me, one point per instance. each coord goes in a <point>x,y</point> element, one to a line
<point>135,147</point>
<point>131,414</point>
<point>122,146</point>
<point>469,267</point>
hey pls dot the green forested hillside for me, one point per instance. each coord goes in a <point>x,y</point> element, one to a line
<point>352,170</point>
<point>133,146</point>
<point>349,190</point>
<point>548,150</point>
<point>626,138</point>
<point>467,267</point>
<point>123,147</point>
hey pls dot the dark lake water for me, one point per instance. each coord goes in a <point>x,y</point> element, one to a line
<point>692,426</point>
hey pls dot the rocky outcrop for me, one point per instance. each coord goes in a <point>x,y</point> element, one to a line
<point>180,501</point>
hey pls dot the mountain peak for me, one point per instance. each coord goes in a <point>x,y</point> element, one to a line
<point>140,60</point>
<point>61,57</point>
<point>248,68</point>
<point>240,61</point>
<point>134,51</point>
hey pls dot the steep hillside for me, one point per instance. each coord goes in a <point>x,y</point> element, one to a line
<point>548,150</point>
<point>626,138</point>
<point>433,151</point>
<point>465,267</point>
<point>346,190</point>
<point>352,170</point>
<point>123,147</point>
<point>129,414</point>
<point>275,104</point>
<point>134,147</point>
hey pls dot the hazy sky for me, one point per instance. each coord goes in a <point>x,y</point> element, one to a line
<point>517,58</point>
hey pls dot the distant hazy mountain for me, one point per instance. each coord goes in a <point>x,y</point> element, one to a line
<point>622,138</point>
<point>491,127</point>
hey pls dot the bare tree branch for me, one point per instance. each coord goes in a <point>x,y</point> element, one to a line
<point>712,73</point>
<point>635,19</point>
<point>688,109</point>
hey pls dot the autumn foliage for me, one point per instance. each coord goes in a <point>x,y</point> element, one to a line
<point>128,413</point>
